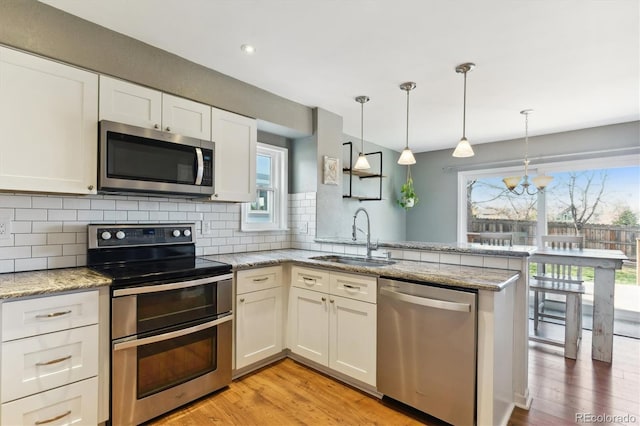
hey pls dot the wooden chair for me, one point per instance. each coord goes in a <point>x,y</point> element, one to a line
<point>494,238</point>
<point>565,280</point>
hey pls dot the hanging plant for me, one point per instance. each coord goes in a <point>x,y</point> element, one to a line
<point>408,197</point>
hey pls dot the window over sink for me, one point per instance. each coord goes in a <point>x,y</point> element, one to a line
<point>268,211</point>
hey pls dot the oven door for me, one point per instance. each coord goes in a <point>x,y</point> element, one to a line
<point>164,304</point>
<point>159,372</point>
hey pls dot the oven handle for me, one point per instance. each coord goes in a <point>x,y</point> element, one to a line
<point>171,335</point>
<point>172,286</point>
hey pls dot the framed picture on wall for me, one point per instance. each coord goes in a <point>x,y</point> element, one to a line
<point>330,171</point>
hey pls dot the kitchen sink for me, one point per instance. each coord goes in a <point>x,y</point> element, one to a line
<point>355,260</point>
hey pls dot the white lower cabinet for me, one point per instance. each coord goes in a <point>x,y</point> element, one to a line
<point>334,330</point>
<point>50,360</point>
<point>258,315</point>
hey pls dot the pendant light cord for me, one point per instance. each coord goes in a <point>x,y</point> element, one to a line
<point>464,107</point>
<point>362,127</point>
<point>526,144</point>
<point>407,140</point>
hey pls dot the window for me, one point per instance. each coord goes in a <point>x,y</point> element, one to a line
<point>268,211</point>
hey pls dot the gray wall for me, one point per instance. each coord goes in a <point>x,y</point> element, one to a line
<point>388,220</point>
<point>436,173</point>
<point>42,29</point>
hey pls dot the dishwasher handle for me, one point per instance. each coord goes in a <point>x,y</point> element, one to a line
<point>425,301</point>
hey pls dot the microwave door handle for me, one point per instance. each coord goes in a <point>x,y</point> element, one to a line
<point>200,166</point>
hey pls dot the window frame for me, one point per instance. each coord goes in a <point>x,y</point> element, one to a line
<point>550,167</point>
<point>279,186</point>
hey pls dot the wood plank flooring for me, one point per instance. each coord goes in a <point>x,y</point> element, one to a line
<point>288,393</point>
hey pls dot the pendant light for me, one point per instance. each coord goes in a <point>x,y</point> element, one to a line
<point>361,162</point>
<point>406,157</point>
<point>463,149</point>
<point>540,182</point>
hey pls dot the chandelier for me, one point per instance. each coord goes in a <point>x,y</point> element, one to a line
<point>540,182</point>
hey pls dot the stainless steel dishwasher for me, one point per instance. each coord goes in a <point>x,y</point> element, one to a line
<point>427,348</point>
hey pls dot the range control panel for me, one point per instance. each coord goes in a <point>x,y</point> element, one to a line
<point>115,235</point>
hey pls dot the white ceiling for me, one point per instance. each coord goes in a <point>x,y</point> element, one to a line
<point>575,62</point>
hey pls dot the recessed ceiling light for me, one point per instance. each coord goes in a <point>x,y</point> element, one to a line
<point>248,49</point>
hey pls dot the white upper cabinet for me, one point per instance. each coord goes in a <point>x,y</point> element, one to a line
<point>48,125</point>
<point>235,139</point>
<point>186,117</point>
<point>140,106</point>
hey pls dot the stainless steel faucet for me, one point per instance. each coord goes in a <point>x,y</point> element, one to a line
<point>370,245</point>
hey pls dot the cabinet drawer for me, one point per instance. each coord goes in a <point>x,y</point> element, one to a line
<point>354,286</point>
<point>30,317</point>
<point>258,279</point>
<point>312,279</point>
<point>72,404</point>
<point>39,363</point>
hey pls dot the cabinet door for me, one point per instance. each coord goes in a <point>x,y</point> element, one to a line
<point>48,125</point>
<point>129,103</point>
<point>309,325</point>
<point>258,326</point>
<point>186,117</point>
<point>235,139</point>
<point>352,338</point>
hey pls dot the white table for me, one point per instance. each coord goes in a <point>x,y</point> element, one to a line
<point>604,262</point>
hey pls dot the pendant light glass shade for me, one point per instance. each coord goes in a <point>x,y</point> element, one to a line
<point>463,149</point>
<point>406,157</point>
<point>361,162</point>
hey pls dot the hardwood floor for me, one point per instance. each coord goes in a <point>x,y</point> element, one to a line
<point>288,393</point>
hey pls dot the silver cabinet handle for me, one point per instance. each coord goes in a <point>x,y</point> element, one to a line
<point>52,419</point>
<point>200,165</point>
<point>54,314</point>
<point>90,187</point>
<point>258,280</point>
<point>425,301</point>
<point>53,361</point>
<point>324,299</point>
<point>156,126</point>
<point>351,287</point>
<point>242,300</point>
<point>331,301</point>
<point>168,129</point>
<point>173,286</point>
<point>171,335</point>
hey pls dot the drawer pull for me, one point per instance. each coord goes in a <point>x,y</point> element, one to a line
<point>52,419</point>
<point>53,361</point>
<point>258,280</point>
<point>54,314</point>
<point>309,281</point>
<point>351,287</point>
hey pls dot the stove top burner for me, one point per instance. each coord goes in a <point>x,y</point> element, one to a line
<point>147,253</point>
<point>130,273</point>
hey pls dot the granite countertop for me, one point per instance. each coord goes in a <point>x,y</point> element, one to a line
<point>463,248</point>
<point>33,283</point>
<point>452,275</point>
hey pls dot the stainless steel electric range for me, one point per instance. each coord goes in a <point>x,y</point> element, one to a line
<point>171,317</point>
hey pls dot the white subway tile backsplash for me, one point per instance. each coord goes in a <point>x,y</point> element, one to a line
<point>149,205</point>
<point>103,204</point>
<point>46,202</point>
<point>496,262</point>
<point>91,215</point>
<point>61,238</point>
<point>137,215</point>
<point>21,227</point>
<point>61,262</point>
<point>73,249</point>
<point>430,256</point>
<point>76,203</point>
<point>126,205</point>
<point>74,226</point>
<point>453,259</point>
<point>30,239</point>
<point>62,215</point>
<point>168,206</point>
<point>15,252</point>
<point>15,201</point>
<point>30,214</point>
<point>30,264</point>
<point>115,216</point>
<point>186,207</point>
<point>471,260</point>
<point>46,251</point>
<point>158,216</point>
<point>7,265</point>
<point>45,227</point>
<point>177,216</point>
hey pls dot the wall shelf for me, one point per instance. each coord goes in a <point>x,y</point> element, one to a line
<point>362,174</point>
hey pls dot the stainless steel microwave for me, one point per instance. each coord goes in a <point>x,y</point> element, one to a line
<point>135,159</point>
